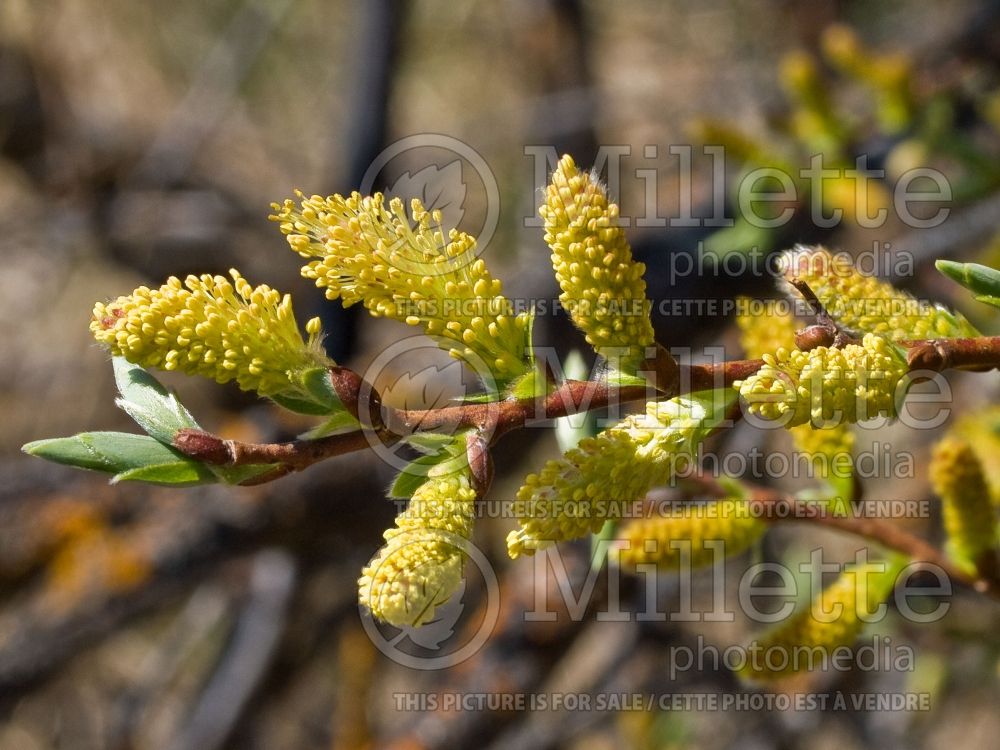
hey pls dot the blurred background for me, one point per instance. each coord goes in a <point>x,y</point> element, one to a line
<point>140,140</point>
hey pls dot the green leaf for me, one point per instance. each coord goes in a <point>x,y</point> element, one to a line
<point>240,474</point>
<point>605,536</point>
<point>317,384</point>
<point>118,453</point>
<point>339,423</point>
<point>309,397</point>
<point>529,337</point>
<point>528,386</point>
<point>414,474</point>
<point>149,403</point>
<point>313,394</point>
<point>176,473</point>
<point>159,412</point>
<point>978,279</point>
<point>478,398</point>
<point>433,442</point>
<point>624,379</point>
<point>987,300</point>
<point>740,238</point>
<point>982,281</point>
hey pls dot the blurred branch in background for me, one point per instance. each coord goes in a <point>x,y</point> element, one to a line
<point>212,91</point>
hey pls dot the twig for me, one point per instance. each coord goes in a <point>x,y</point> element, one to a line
<point>386,424</point>
<point>494,419</point>
<point>774,507</point>
<point>826,331</point>
<point>251,650</point>
<point>981,353</point>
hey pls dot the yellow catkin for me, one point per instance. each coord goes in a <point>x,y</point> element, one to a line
<point>666,540</point>
<point>420,567</point>
<point>211,326</point>
<point>833,620</point>
<point>888,75</point>
<point>826,386</point>
<point>813,118</point>
<point>981,429</point>
<point>602,286</point>
<point>406,267</point>
<point>761,334</point>
<point>574,495</point>
<point>966,509</point>
<point>867,305</point>
<point>829,450</point>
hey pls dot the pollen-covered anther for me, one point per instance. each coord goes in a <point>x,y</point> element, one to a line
<point>574,495</point>
<point>405,266</point>
<point>691,535</point>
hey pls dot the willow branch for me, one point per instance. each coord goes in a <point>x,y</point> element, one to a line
<point>981,353</point>
<point>774,507</point>
<point>386,424</point>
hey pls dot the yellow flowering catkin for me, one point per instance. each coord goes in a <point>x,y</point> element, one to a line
<point>981,429</point>
<point>574,495</point>
<point>833,620</point>
<point>405,268</point>
<point>421,565</point>
<point>828,448</point>
<point>761,334</point>
<point>602,286</point>
<point>969,518</point>
<point>666,540</point>
<point>826,386</point>
<point>867,305</point>
<point>814,119</point>
<point>207,325</point>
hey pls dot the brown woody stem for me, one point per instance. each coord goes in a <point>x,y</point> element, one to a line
<point>774,507</point>
<point>981,353</point>
<point>385,424</point>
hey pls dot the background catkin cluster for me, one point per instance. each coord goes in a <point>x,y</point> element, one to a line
<point>834,619</point>
<point>865,304</point>
<point>956,475</point>
<point>690,535</point>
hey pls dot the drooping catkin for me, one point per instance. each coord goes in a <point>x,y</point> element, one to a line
<point>966,509</point>
<point>834,620</point>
